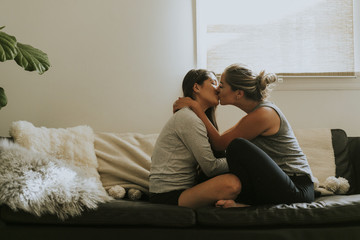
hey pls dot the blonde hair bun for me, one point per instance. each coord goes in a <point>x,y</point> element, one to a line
<point>256,87</point>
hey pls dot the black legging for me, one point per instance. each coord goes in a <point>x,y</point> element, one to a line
<point>263,181</point>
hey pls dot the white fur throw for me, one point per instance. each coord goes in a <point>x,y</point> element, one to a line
<point>74,145</point>
<point>38,183</point>
<point>124,159</point>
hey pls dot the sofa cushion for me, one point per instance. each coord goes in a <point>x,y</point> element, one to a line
<point>344,166</point>
<point>354,159</point>
<point>116,212</point>
<point>324,210</point>
<point>316,143</point>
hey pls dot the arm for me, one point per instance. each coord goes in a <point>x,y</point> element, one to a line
<point>214,135</point>
<point>193,134</point>
<point>263,121</point>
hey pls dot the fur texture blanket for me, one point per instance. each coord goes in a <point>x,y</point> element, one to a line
<point>74,145</point>
<point>50,170</point>
<point>41,184</point>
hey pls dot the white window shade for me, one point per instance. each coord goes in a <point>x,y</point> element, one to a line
<point>289,37</point>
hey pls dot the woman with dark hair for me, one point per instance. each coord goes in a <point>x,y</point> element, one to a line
<point>183,147</point>
<point>261,149</point>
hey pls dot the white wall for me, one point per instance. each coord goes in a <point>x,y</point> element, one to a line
<point>117,66</point>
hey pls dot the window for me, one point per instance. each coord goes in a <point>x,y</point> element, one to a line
<point>288,37</point>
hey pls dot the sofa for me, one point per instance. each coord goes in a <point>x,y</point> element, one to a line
<point>328,217</point>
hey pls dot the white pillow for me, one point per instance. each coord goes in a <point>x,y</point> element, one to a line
<point>74,145</point>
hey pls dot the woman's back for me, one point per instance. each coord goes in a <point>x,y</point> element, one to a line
<point>283,146</point>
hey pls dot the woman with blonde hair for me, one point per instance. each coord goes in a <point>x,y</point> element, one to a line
<point>261,149</point>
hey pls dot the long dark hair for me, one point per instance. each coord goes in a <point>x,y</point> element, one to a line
<point>199,76</point>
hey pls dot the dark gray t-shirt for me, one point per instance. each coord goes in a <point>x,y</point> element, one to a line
<point>283,146</point>
<point>182,145</point>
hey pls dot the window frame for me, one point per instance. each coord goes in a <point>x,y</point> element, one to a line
<point>299,83</point>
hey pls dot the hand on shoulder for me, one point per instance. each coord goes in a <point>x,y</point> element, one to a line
<point>184,102</point>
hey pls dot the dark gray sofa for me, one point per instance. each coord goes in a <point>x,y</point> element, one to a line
<point>328,217</point>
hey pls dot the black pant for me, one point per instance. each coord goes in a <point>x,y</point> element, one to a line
<point>263,181</point>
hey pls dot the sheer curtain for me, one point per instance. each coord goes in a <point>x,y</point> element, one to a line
<point>288,37</point>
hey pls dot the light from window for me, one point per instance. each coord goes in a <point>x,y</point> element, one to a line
<point>289,37</point>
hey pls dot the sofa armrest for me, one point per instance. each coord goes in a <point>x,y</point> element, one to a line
<point>343,163</point>
<point>354,158</point>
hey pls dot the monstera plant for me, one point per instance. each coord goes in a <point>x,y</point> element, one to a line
<point>26,56</point>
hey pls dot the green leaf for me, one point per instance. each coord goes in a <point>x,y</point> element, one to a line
<point>32,59</point>
<point>8,50</point>
<point>3,99</point>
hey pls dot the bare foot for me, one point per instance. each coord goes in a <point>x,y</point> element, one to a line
<point>229,204</point>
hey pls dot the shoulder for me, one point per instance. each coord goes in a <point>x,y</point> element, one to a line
<point>263,112</point>
<point>266,109</point>
<point>268,118</point>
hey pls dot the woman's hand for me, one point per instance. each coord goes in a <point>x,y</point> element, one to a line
<point>184,102</point>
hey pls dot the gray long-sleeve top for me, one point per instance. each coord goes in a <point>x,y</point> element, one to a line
<point>182,145</point>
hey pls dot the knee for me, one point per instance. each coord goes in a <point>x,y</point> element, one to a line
<point>232,185</point>
<point>236,145</point>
